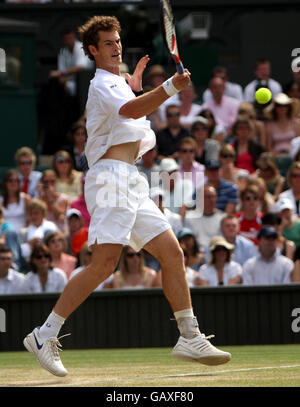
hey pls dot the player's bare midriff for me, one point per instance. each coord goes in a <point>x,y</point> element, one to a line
<point>126,152</point>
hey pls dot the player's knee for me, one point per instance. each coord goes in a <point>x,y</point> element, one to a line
<point>173,256</point>
<point>105,267</point>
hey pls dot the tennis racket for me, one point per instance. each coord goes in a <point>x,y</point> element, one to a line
<point>169,33</point>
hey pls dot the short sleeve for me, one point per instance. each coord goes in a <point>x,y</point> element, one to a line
<point>235,270</point>
<point>203,272</point>
<point>112,96</point>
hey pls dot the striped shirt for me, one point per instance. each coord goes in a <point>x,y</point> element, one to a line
<point>258,271</point>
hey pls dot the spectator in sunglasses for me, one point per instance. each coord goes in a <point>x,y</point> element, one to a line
<point>207,148</point>
<point>215,131</point>
<point>56,202</point>
<point>250,216</point>
<point>43,277</point>
<point>189,168</point>
<point>132,272</point>
<point>268,171</point>
<point>228,170</point>
<point>14,201</point>
<point>68,180</point>
<point>168,138</point>
<point>29,178</point>
<point>247,150</point>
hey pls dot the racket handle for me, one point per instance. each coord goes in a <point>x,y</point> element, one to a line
<point>180,68</point>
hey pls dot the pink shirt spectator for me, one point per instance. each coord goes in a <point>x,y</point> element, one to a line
<point>80,204</point>
<point>66,263</point>
<point>225,113</point>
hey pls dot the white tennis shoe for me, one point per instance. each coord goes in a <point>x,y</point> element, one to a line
<point>46,352</point>
<point>199,349</point>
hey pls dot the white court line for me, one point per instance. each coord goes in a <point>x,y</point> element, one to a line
<point>184,375</point>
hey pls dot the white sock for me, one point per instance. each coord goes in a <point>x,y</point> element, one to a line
<point>51,326</point>
<point>187,323</point>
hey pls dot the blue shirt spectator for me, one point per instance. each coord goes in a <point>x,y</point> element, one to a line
<point>227,192</point>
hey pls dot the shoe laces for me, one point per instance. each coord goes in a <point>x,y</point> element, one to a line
<point>56,346</point>
<point>207,337</point>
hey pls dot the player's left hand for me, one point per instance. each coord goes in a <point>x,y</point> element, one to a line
<point>135,80</point>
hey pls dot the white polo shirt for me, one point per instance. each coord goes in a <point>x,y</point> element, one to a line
<point>105,126</point>
<point>13,283</point>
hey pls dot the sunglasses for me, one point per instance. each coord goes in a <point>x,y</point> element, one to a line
<point>42,256</point>
<point>295,175</point>
<point>251,198</point>
<point>227,156</point>
<point>173,114</point>
<point>25,163</point>
<point>49,181</point>
<point>187,150</point>
<point>133,254</point>
<point>200,128</point>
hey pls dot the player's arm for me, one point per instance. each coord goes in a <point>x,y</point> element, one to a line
<point>145,104</point>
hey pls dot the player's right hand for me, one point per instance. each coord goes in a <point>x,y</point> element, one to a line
<point>181,81</point>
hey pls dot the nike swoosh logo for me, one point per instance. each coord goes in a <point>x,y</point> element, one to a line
<point>37,344</point>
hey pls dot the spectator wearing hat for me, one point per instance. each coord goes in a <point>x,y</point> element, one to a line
<point>78,234</point>
<point>29,178</point>
<point>233,90</point>
<point>244,248</point>
<point>189,168</point>
<point>283,125</point>
<point>188,242</point>
<point>221,269</point>
<point>178,192</point>
<point>207,148</point>
<point>80,204</point>
<point>290,224</point>
<point>11,281</point>
<point>205,220</point>
<point>149,167</point>
<point>227,192</point>
<point>188,109</point>
<point>168,138</point>
<point>262,71</point>
<point>250,215</point>
<point>224,108</point>
<point>293,193</point>
<point>286,247</point>
<point>269,266</point>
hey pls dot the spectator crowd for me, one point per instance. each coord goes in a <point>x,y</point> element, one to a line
<point>226,174</point>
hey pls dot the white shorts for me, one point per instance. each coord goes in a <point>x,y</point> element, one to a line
<point>117,198</point>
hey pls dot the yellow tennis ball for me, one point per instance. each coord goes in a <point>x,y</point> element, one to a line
<point>263,95</point>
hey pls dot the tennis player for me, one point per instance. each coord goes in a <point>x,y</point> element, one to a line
<point>117,198</point>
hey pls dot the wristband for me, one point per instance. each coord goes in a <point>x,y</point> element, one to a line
<point>169,87</point>
<point>139,93</point>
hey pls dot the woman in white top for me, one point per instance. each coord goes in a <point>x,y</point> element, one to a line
<point>43,278</point>
<point>220,270</point>
<point>132,273</point>
<point>14,202</point>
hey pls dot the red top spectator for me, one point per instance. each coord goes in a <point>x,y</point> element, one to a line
<point>250,216</point>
